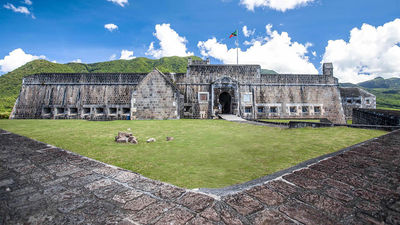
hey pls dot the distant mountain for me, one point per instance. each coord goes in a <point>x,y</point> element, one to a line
<point>380,82</point>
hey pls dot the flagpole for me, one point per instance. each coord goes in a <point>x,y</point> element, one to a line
<point>237,47</point>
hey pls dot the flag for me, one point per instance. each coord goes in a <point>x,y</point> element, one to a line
<point>234,34</point>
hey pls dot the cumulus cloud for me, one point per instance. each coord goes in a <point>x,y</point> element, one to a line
<point>370,52</point>
<point>247,32</point>
<point>275,51</point>
<point>127,55</point>
<point>17,58</point>
<point>110,27</point>
<point>279,5</point>
<point>28,2</point>
<point>121,3</point>
<point>171,44</point>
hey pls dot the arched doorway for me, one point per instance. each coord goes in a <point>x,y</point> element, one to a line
<point>225,101</point>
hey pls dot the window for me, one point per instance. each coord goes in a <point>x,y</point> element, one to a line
<point>260,109</point>
<point>273,109</point>
<point>304,109</point>
<point>247,97</point>
<point>99,110</point>
<point>46,110</point>
<point>358,101</point>
<point>86,110</point>
<point>293,109</point>
<point>126,110</point>
<point>349,101</point>
<point>247,109</point>
<point>317,109</point>
<point>60,110</point>
<point>367,102</point>
<point>187,108</point>
<point>113,110</point>
<point>73,110</point>
<point>203,97</point>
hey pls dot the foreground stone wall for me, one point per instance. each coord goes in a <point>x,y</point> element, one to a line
<point>376,117</point>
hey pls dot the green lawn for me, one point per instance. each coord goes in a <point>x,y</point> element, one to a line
<point>288,120</point>
<point>205,153</point>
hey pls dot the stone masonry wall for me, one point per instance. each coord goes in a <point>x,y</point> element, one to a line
<point>376,117</point>
<point>156,98</point>
<point>76,96</point>
<point>318,94</point>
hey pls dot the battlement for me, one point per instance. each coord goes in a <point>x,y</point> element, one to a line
<point>198,62</point>
<point>84,78</point>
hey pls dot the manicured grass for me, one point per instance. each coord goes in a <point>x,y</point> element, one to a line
<point>288,120</point>
<point>205,153</point>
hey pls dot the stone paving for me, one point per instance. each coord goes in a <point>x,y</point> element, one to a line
<point>42,184</point>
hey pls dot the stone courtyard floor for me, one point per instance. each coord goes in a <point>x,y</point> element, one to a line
<point>42,184</point>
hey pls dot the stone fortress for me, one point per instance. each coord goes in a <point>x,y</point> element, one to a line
<point>203,92</point>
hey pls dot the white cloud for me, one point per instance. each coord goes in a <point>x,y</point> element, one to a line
<point>280,5</point>
<point>370,52</point>
<point>15,59</point>
<point>127,55</point>
<point>276,51</point>
<point>248,33</point>
<point>110,27</point>
<point>122,3</point>
<point>20,9</point>
<point>28,2</point>
<point>77,61</point>
<point>314,53</point>
<point>171,44</point>
<point>113,57</point>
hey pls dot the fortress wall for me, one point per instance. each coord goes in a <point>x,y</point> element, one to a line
<point>156,98</point>
<point>297,102</point>
<point>76,96</point>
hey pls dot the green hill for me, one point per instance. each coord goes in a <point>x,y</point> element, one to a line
<point>10,83</point>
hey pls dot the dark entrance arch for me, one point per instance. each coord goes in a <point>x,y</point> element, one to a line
<point>225,101</point>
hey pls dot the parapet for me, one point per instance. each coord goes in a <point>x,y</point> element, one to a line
<point>198,62</point>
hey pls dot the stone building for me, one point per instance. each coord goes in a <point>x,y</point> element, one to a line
<point>354,97</point>
<point>204,91</point>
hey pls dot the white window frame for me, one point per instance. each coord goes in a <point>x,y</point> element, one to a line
<point>201,93</point>
<point>248,95</point>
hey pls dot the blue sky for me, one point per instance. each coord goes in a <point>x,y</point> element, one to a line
<point>68,30</point>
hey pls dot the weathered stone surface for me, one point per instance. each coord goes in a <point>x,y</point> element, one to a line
<point>243,204</point>
<point>305,214</point>
<point>271,217</point>
<point>266,196</point>
<point>196,202</point>
<point>139,203</point>
<point>99,194</point>
<point>126,196</point>
<point>175,216</point>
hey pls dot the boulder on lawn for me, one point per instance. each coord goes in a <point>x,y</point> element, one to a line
<point>151,140</point>
<point>124,137</point>
<point>133,140</point>
<point>170,138</point>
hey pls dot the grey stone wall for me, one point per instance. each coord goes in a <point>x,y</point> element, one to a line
<point>354,98</point>
<point>256,95</point>
<point>376,117</point>
<point>156,98</point>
